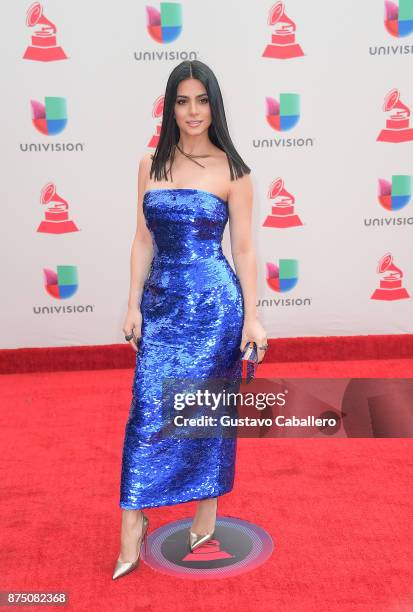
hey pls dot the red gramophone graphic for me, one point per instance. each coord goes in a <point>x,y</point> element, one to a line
<point>43,47</point>
<point>283,45</point>
<point>397,125</point>
<point>391,283</point>
<point>56,218</point>
<point>282,212</point>
<point>210,551</point>
<point>157,111</point>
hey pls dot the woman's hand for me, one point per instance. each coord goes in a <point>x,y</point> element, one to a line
<point>253,331</point>
<point>133,324</point>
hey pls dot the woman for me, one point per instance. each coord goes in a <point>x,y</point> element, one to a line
<point>189,315</point>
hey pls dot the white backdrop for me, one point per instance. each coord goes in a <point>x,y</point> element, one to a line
<point>350,62</point>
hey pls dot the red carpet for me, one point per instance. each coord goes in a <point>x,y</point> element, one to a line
<point>339,511</point>
<point>307,349</point>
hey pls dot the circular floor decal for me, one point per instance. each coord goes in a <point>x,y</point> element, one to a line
<point>237,547</point>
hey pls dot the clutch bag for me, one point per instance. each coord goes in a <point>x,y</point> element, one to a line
<point>249,361</point>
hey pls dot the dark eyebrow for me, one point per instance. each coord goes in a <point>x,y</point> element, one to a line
<point>198,96</point>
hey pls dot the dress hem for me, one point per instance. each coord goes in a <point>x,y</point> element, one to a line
<point>184,501</point>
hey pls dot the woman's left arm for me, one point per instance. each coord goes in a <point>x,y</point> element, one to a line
<point>240,201</point>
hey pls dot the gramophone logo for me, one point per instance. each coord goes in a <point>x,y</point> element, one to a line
<point>51,117</point>
<point>164,25</point>
<point>398,19</point>
<point>398,122</point>
<point>56,217</point>
<point>282,210</point>
<point>283,277</point>
<point>44,46</point>
<point>157,111</point>
<point>283,45</point>
<point>284,114</point>
<point>391,277</point>
<point>395,194</point>
<point>237,547</point>
<point>63,283</point>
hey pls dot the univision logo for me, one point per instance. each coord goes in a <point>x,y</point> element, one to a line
<point>393,195</point>
<point>164,25</point>
<point>50,118</point>
<point>399,19</point>
<point>398,22</point>
<point>282,278</point>
<point>283,115</point>
<point>62,284</point>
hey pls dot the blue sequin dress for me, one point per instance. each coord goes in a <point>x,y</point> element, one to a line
<point>192,316</point>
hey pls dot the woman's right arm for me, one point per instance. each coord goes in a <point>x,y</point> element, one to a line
<point>140,259</point>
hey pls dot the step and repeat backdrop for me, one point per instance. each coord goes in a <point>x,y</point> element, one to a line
<point>318,97</point>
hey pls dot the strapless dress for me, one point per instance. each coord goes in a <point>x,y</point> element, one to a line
<point>192,317</point>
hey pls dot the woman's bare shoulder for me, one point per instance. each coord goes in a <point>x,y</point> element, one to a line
<point>241,186</point>
<point>144,170</point>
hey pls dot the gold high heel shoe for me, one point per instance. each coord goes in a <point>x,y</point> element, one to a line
<point>125,567</point>
<point>195,539</point>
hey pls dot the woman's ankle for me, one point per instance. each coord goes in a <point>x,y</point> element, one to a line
<point>132,517</point>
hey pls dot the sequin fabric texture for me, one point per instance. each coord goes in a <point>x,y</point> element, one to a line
<point>192,317</point>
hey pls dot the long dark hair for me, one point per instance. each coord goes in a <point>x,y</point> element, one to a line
<point>218,130</point>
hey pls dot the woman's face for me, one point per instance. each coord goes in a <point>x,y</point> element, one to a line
<point>192,110</point>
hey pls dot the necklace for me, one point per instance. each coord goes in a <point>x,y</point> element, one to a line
<point>191,156</point>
